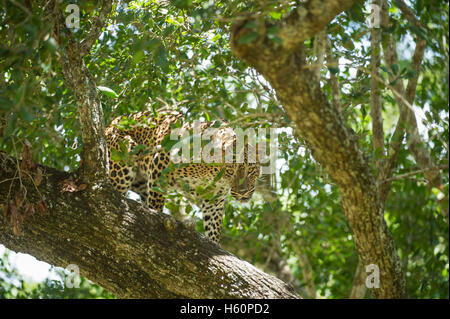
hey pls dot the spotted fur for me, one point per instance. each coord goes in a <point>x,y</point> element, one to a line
<point>145,172</point>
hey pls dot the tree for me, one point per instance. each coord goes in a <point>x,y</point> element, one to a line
<point>264,64</point>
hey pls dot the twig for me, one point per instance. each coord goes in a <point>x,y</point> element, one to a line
<point>18,171</point>
<point>420,171</point>
<point>334,82</point>
<point>35,186</point>
<point>8,179</point>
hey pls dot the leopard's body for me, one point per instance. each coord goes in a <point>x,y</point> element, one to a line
<point>141,172</point>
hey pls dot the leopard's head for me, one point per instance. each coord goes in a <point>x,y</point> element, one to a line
<point>244,181</point>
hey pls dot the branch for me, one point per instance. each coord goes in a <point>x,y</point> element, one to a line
<point>415,66</point>
<point>375,92</point>
<point>409,14</point>
<point>129,250</point>
<point>320,43</point>
<point>305,267</point>
<point>407,120</point>
<point>96,28</point>
<point>307,20</point>
<point>420,171</point>
<point>334,83</point>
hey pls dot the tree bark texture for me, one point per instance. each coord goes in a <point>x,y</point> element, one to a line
<point>77,76</point>
<point>127,249</point>
<point>332,143</point>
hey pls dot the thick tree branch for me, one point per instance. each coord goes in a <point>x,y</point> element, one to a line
<point>129,250</point>
<point>308,19</point>
<point>409,14</point>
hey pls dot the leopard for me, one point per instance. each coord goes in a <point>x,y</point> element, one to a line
<point>147,168</point>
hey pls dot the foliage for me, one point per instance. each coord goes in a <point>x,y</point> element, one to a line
<point>156,54</point>
<point>14,285</point>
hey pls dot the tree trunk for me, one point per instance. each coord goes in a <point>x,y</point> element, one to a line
<point>332,143</point>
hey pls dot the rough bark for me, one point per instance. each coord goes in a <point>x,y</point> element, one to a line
<point>333,144</point>
<point>127,249</point>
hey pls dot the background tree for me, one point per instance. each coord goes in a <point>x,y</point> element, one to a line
<point>352,150</point>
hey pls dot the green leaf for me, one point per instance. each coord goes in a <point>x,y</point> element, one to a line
<point>216,37</point>
<point>200,190</point>
<point>168,143</point>
<point>182,4</point>
<point>219,176</point>
<point>138,56</point>
<point>275,39</point>
<point>51,44</point>
<point>251,24</point>
<point>107,91</point>
<point>136,149</point>
<point>438,193</point>
<point>249,37</point>
<point>410,74</point>
<point>153,44</point>
<point>5,104</point>
<point>421,32</point>
<point>394,68</point>
<point>26,115</point>
<point>348,44</point>
<point>333,70</point>
<point>162,60</point>
<point>11,127</point>
<point>275,15</point>
<point>157,189</point>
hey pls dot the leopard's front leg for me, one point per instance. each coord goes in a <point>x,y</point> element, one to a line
<point>153,166</point>
<point>213,212</point>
